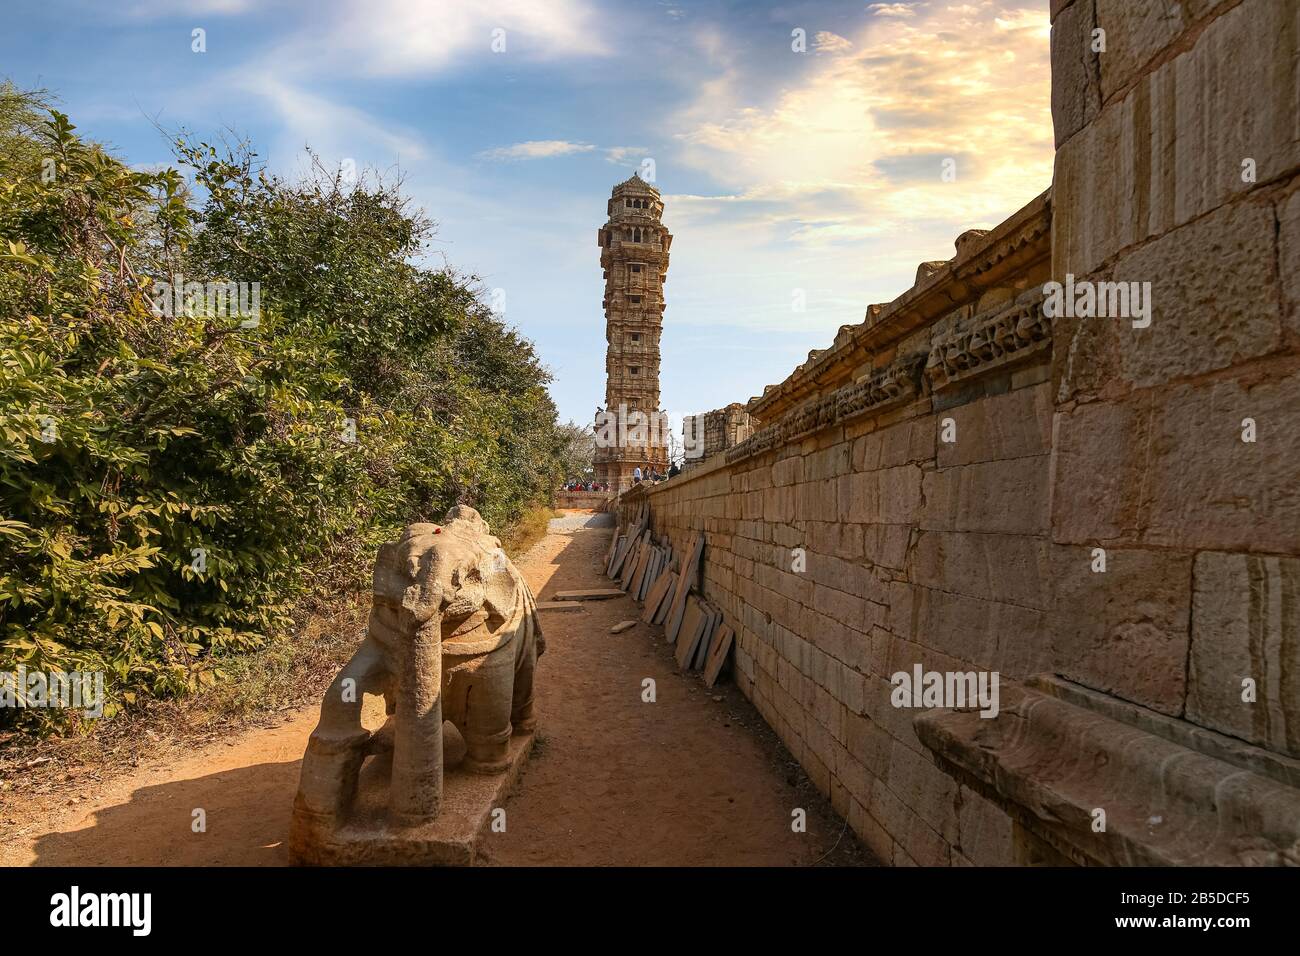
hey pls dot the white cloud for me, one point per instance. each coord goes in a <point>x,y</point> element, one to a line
<point>197,8</point>
<point>536,149</point>
<point>827,42</point>
<point>867,133</point>
<point>832,184</point>
<point>625,155</point>
<point>425,37</point>
<point>891,10</point>
<point>335,130</point>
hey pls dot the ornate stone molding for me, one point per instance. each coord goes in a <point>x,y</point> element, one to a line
<point>984,261</point>
<point>888,387</point>
<point>1004,339</point>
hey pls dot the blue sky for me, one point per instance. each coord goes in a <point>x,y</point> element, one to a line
<point>787,176</point>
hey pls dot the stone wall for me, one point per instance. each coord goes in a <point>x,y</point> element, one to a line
<point>713,432</point>
<point>938,486</point>
<point>857,543</point>
<point>595,500</point>
<point>1201,527</point>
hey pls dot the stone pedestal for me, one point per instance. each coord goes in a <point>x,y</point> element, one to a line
<point>453,838</point>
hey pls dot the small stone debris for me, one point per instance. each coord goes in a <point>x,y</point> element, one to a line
<point>622,626</point>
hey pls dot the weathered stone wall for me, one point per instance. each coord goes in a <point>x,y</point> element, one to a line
<point>714,432</point>
<point>1070,435</point>
<point>595,500</point>
<point>904,542</point>
<point>1155,137</point>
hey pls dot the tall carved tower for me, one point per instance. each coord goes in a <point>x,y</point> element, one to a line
<point>634,256</point>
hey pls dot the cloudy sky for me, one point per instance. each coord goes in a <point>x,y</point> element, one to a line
<point>813,175</point>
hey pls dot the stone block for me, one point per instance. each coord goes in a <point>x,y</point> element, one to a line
<point>1172,149</point>
<point>1124,631</point>
<point>900,494</point>
<point>1214,301</point>
<point>1288,214</point>
<point>1208,489</point>
<point>921,845</point>
<point>870,832</point>
<point>1246,625</point>
<point>984,831</point>
<point>834,538</point>
<point>1100,470</point>
<point>788,471</point>
<point>1010,639</point>
<point>845,609</point>
<point>868,744</point>
<point>1076,89</point>
<point>1135,35</point>
<point>851,577</point>
<point>1015,425</point>
<point>816,501</point>
<point>997,567</point>
<point>887,544</point>
<point>1005,496</point>
<point>828,463</point>
<point>859,497</point>
<point>925,789</point>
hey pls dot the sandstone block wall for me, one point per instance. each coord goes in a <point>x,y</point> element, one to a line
<point>847,540</point>
<point>1178,164</point>
<point>871,545</point>
<point>907,552</point>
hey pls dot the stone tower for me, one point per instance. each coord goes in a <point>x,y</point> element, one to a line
<point>631,430</point>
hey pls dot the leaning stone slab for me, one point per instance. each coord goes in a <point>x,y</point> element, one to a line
<point>596,594</point>
<point>561,606</point>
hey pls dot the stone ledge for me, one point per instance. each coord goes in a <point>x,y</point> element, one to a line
<point>1173,794</point>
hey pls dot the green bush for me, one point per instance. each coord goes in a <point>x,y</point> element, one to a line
<point>171,484</point>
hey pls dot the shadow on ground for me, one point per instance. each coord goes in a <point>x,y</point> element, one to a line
<point>247,818</point>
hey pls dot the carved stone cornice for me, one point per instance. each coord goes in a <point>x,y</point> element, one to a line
<point>1004,339</point>
<point>984,260</point>
<point>889,387</point>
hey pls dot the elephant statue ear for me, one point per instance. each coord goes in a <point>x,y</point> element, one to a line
<point>500,586</point>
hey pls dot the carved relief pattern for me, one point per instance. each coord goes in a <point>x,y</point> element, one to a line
<point>888,387</point>
<point>1005,338</point>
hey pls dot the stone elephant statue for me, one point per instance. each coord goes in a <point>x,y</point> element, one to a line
<point>453,636</point>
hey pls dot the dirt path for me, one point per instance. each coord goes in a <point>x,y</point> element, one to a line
<point>695,778</point>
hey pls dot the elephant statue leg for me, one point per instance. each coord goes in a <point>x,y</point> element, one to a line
<point>478,700</point>
<point>337,746</point>
<point>530,646</point>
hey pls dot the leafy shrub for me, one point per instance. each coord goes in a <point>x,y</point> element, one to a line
<point>170,484</point>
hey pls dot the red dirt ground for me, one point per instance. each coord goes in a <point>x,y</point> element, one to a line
<point>695,778</point>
